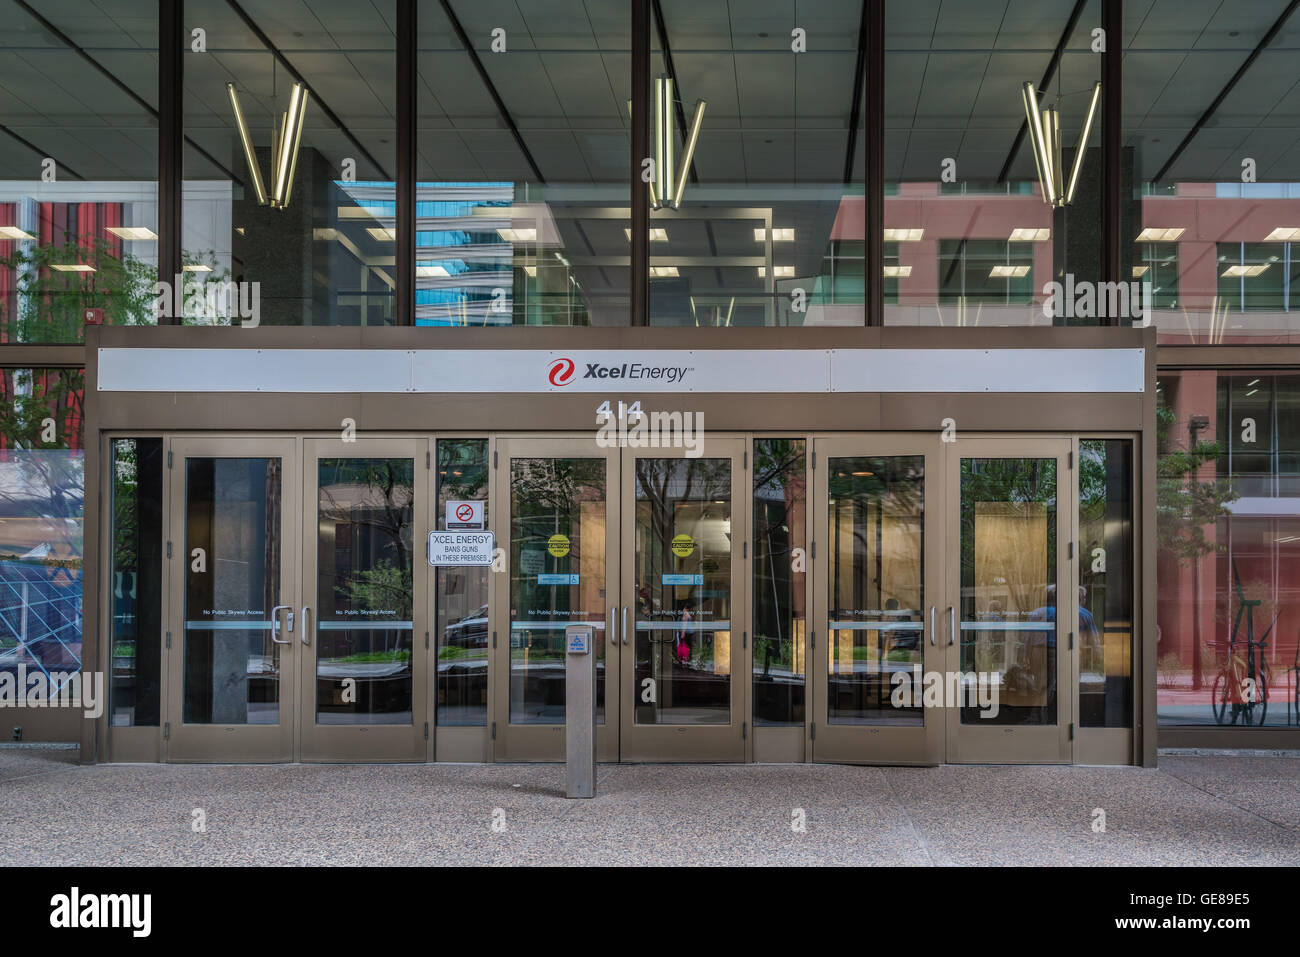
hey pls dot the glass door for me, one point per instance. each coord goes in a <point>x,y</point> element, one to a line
<point>560,497</point>
<point>232,647</point>
<point>683,620</point>
<point>1010,573</point>
<point>877,585</point>
<point>361,631</point>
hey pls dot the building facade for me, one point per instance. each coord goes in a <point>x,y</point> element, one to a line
<point>884,382</point>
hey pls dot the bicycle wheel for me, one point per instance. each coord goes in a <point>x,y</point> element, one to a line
<point>1255,711</point>
<point>1219,699</point>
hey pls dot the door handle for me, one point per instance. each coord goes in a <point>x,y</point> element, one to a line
<point>931,624</point>
<point>612,625</point>
<point>306,635</point>
<point>952,625</point>
<point>625,624</point>
<point>275,623</point>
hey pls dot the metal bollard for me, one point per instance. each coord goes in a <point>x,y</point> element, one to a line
<point>580,711</point>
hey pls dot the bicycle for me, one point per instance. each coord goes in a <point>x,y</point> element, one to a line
<point>1241,683</point>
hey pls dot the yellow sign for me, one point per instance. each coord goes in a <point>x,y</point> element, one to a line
<point>683,545</point>
<point>558,545</point>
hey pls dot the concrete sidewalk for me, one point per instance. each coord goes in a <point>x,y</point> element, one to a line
<point>1194,809</point>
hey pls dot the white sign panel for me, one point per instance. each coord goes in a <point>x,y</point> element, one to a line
<point>607,371</point>
<point>464,515</point>
<point>461,548</point>
<point>622,372</point>
<point>988,370</point>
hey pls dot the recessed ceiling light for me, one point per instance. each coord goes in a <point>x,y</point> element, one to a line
<point>133,233</point>
<point>897,272</point>
<point>1140,271</point>
<point>1029,235</point>
<point>1283,234</point>
<point>1160,234</point>
<point>197,267</point>
<point>518,235</point>
<point>899,235</point>
<point>663,272</point>
<point>71,267</point>
<point>431,270</point>
<point>531,270</point>
<point>780,234</point>
<point>1249,272</point>
<point>1008,272</point>
<point>384,234</point>
<point>778,272</point>
<point>657,235</point>
<point>13,232</point>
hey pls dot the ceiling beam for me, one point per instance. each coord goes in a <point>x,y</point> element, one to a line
<point>1052,65</point>
<point>492,90</point>
<point>324,107</point>
<point>99,68</point>
<point>39,152</point>
<point>1223,94</point>
<point>859,77</point>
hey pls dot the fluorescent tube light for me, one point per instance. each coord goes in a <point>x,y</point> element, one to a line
<point>246,140</point>
<point>897,235</point>
<point>518,235</point>
<point>689,154</point>
<point>778,272</point>
<point>430,271</point>
<point>1161,234</point>
<point>1248,272</point>
<point>663,272</point>
<point>657,235</point>
<point>897,272</point>
<point>385,234</point>
<point>780,234</point>
<point>296,139</point>
<point>1082,148</point>
<point>1029,235</point>
<point>71,267</point>
<point>1008,272</point>
<point>13,232</point>
<point>284,148</point>
<point>1283,234</point>
<point>137,234</point>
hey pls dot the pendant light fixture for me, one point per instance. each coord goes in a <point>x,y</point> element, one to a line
<point>1045,132</point>
<point>285,144</point>
<point>669,183</point>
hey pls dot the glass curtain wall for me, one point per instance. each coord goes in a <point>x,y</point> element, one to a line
<point>759,156</point>
<point>522,167</point>
<point>974,232</point>
<point>290,157</point>
<point>1214,207</point>
<point>42,479</point>
<point>1228,562</point>
<point>78,168</point>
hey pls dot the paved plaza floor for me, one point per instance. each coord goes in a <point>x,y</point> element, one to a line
<point>1198,809</point>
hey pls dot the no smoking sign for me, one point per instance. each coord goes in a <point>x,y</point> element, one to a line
<point>464,515</point>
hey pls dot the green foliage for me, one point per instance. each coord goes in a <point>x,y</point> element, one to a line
<point>50,305</point>
<point>383,587</point>
<point>1185,504</point>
